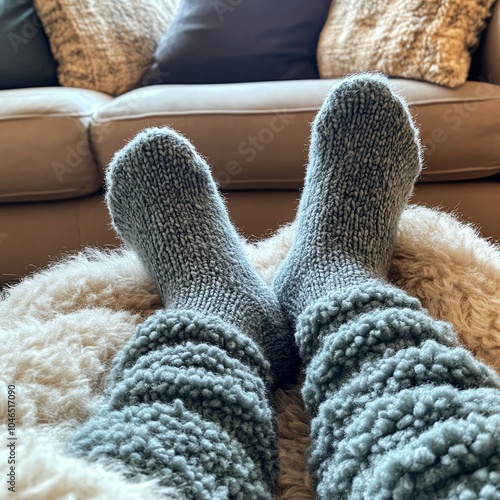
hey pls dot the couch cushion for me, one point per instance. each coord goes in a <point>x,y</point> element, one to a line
<point>426,40</point>
<point>255,134</point>
<point>44,140</point>
<point>222,42</point>
<point>25,56</point>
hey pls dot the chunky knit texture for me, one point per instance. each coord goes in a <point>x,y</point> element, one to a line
<point>186,404</point>
<point>165,205</point>
<point>363,161</point>
<point>103,45</point>
<point>187,399</point>
<point>399,410</point>
<point>430,41</point>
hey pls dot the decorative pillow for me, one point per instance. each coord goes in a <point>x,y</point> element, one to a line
<point>25,56</point>
<point>104,45</point>
<point>426,40</point>
<point>240,41</point>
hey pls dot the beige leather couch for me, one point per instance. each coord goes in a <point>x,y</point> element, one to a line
<point>55,144</point>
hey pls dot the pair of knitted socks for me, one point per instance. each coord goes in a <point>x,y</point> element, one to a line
<point>398,409</point>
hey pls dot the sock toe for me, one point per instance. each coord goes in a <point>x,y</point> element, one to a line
<point>148,160</point>
<point>363,120</point>
<point>360,94</point>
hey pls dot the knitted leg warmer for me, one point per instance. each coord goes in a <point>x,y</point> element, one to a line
<point>186,404</point>
<point>187,398</point>
<point>399,410</point>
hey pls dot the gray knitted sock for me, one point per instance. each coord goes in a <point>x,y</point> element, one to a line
<point>398,409</point>
<point>165,205</point>
<point>363,162</point>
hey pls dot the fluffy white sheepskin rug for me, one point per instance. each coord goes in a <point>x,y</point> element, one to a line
<point>60,328</point>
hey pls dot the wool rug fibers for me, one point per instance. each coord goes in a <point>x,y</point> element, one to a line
<point>60,328</point>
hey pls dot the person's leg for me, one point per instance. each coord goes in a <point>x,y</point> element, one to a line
<point>398,408</point>
<point>187,400</point>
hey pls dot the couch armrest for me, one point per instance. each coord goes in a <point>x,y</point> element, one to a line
<point>490,69</point>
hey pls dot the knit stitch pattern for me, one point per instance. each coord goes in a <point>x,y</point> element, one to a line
<point>186,403</point>
<point>399,410</point>
<point>165,205</point>
<point>105,46</point>
<point>430,41</point>
<point>364,159</point>
<point>187,400</point>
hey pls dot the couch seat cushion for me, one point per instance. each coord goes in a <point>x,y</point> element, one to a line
<point>45,143</point>
<point>255,134</point>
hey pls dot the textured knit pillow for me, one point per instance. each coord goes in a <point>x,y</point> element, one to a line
<point>104,45</point>
<point>240,41</point>
<point>426,40</point>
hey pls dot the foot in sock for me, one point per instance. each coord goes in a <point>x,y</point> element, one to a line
<point>186,402</point>
<point>364,159</point>
<point>399,410</point>
<point>165,205</point>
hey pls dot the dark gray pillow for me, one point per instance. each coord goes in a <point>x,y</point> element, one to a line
<point>223,41</point>
<point>25,56</point>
